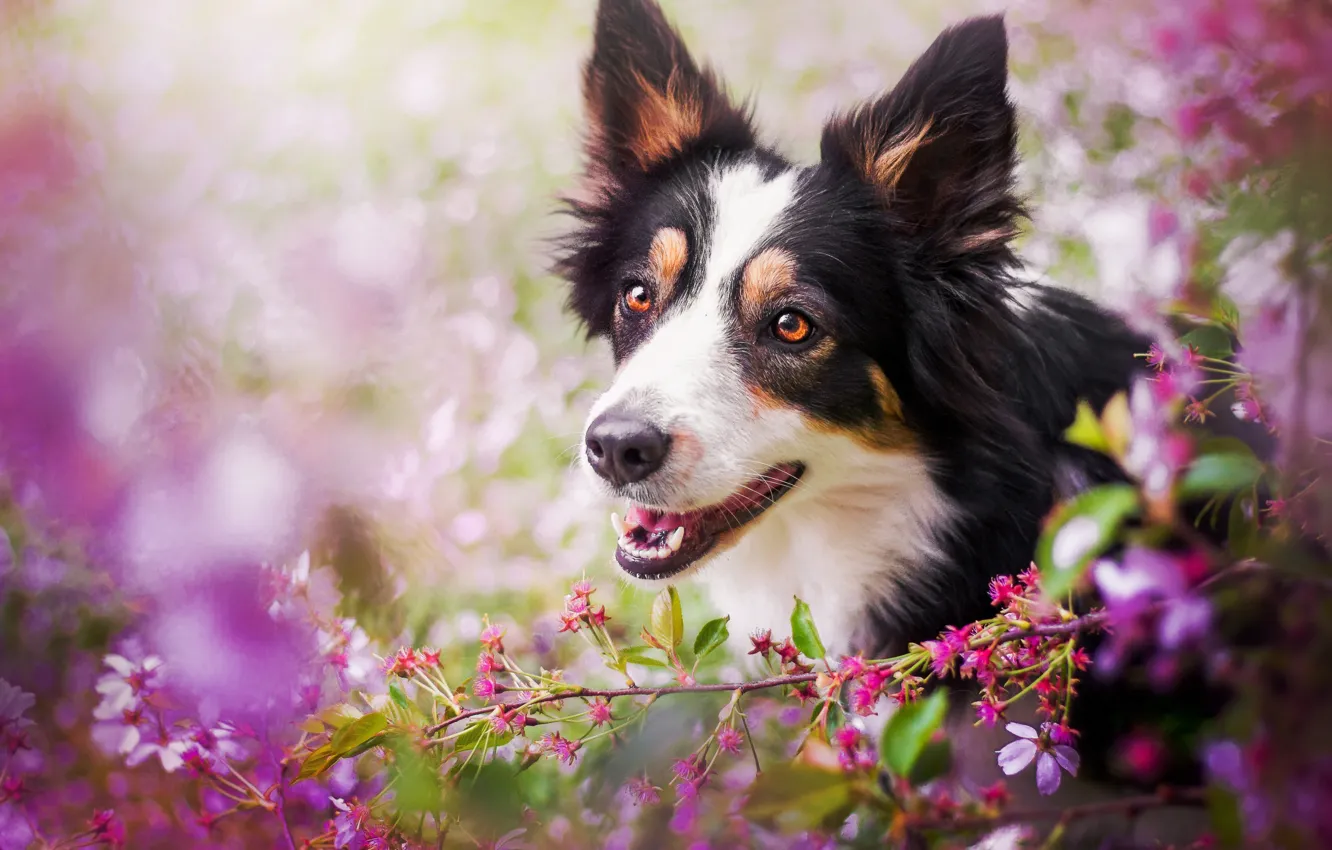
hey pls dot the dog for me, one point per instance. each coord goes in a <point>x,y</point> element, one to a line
<point>832,382</point>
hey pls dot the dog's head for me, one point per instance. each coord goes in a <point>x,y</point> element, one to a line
<point>778,327</point>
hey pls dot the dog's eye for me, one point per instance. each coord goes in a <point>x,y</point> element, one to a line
<point>792,327</point>
<point>636,298</point>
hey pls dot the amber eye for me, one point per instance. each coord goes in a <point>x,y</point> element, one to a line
<point>792,327</point>
<point>637,298</point>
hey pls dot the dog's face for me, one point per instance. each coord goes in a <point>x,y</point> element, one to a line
<point>779,330</point>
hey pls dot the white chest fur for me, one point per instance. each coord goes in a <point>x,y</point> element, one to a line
<point>840,541</point>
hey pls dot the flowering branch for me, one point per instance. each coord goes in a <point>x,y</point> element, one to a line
<point>1087,622</point>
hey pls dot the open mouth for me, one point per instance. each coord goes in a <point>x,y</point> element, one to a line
<point>656,544</point>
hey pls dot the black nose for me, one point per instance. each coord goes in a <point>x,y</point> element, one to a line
<point>623,449</point>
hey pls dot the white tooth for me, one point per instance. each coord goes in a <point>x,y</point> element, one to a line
<point>675,539</point>
<point>617,525</point>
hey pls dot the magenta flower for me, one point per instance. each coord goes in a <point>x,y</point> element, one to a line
<point>106,828</point>
<point>599,712</point>
<point>989,713</point>
<point>851,667</point>
<point>942,655</point>
<point>349,825</point>
<point>730,740</point>
<point>643,792</point>
<point>492,637</point>
<point>863,699</point>
<point>1002,591</point>
<point>1050,758</point>
<point>560,747</point>
<point>762,641</point>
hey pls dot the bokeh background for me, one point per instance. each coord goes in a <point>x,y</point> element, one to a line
<point>332,222</point>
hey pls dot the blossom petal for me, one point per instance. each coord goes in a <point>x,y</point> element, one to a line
<point>1016,756</point>
<point>119,663</point>
<point>1068,759</point>
<point>1022,730</point>
<point>1047,774</point>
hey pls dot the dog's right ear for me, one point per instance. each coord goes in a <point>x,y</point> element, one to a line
<point>646,100</point>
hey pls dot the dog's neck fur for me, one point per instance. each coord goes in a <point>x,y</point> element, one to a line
<point>842,542</point>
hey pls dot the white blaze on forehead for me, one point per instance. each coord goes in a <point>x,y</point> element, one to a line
<point>685,358</point>
<point>745,208</point>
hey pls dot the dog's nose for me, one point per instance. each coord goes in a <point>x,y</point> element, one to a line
<point>623,449</point>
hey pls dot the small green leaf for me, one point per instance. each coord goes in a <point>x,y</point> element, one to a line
<point>909,730</point>
<point>1210,341</point>
<point>316,763</point>
<point>799,796</point>
<point>480,734</point>
<point>1083,528</point>
<point>1242,529</point>
<point>1086,430</point>
<point>398,697</point>
<point>639,655</point>
<point>713,634</point>
<point>804,634</point>
<point>668,618</point>
<point>1220,474</point>
<point>357,733</point>
<point>934,761</point>
<point>339,715</point>
<point>312,725</point>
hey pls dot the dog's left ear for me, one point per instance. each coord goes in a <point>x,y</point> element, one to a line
<point>940,148</point>
<point>646,100</point>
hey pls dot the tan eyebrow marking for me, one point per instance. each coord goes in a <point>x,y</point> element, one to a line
<point>667,258</point>
<point>768,274</point>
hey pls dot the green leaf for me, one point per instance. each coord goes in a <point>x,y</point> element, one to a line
<point>934,761</point>
<point>398,697</point>
<point>1242,531</point>
<point>800,796</point>
<point>316,763</point>
<point>480,734</point>
<point>668,618</point>
<point>639,655</point>
<point>909,730</point>
<point>1220,474</point>
<point>1086,430</point>
<point>1083,528</point>
<point>713,634</point>
<point>1209,340</point>
<point>1227,824</point>
<point>357,734</point>
<point>338,716</point>
<point>804,634</point>
<point>414,778</point>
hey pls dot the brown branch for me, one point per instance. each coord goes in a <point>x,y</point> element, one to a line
<point>1127,806</point>
<point>1087,622</point>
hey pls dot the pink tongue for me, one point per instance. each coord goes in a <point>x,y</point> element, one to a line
<point>653,520</point>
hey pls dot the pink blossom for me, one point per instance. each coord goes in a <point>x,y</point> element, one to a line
<point>599,712</point>
<point>730,740</point>
<point>492,637</point>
